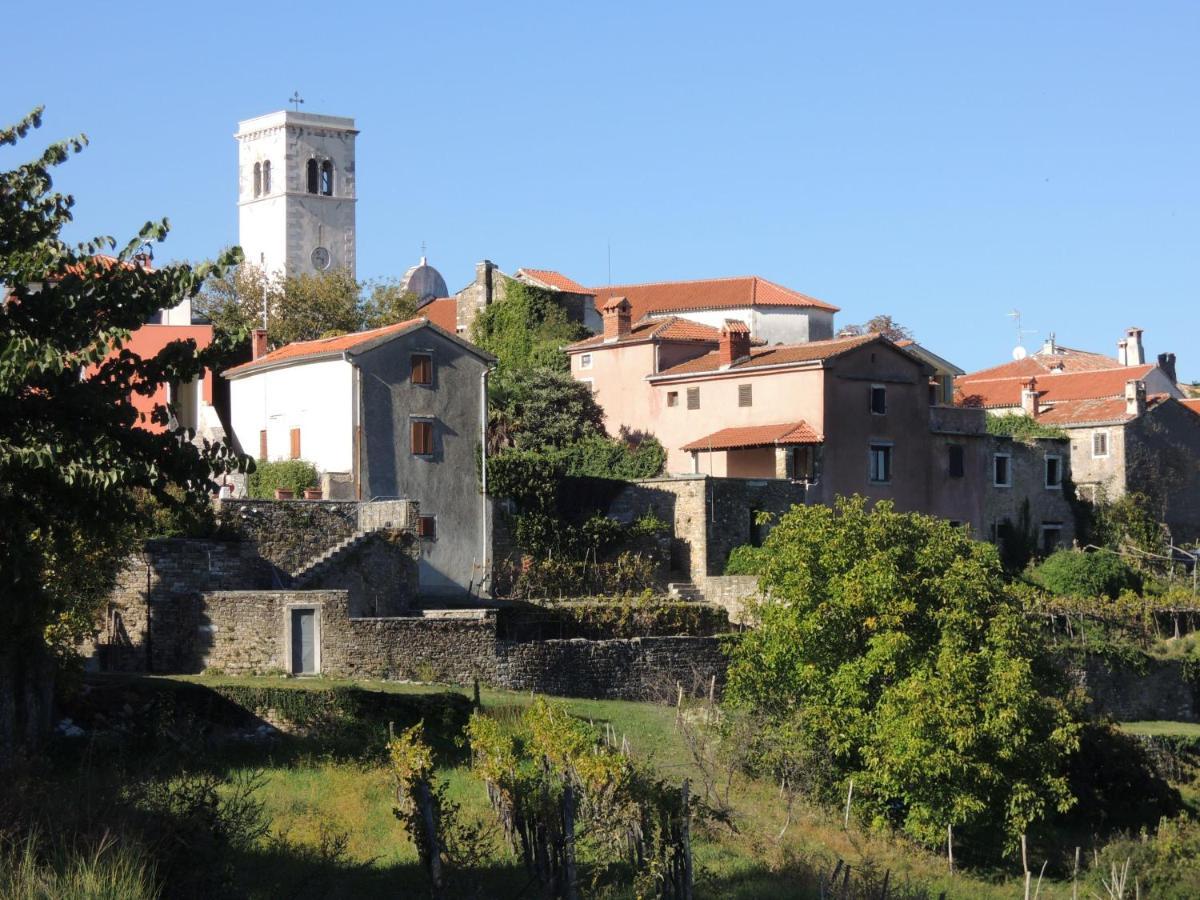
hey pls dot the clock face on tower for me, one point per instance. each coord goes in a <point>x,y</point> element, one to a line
<point>320,258</point>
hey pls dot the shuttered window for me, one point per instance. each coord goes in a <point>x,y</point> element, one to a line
<point>745,395</point>
<point>426,527</point>
<point>693,398</point>
<point>295,443</point>
<point>422,437</point>
<point>262,445</point>
<point>422,368</point>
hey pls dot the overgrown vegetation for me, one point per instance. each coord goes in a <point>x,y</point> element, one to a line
<point>1076,573</point>
<point>1021,428</point>
<point>285,474</point>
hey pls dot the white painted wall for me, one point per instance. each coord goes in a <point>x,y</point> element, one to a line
<point>316,397</point>
<point>775,325</point>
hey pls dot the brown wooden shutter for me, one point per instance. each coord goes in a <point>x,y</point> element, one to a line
<point>262,445</point>
<point>426,527</point>
<point>295,443</point>
<point>693,398</point>
<point>422,438</point>
<point>422,368</point>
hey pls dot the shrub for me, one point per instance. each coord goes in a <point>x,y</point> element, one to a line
<point>744,560</point>
<point>1166,867</point>
<point>1021,428</point>
<point>1076,573</point>
<point>290,474</point>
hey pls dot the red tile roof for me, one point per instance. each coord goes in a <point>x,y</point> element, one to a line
<point>1092,412</point>
<point>756,436</point>
<point>553,279</point>
<point>778,355</point>
<point>712,293</point>
<point>671,328</point>
<point>333,346</point>
<point>989,392</point>
<point>1192,403</point>
<point>442,312</point>
<point>1072,361</point>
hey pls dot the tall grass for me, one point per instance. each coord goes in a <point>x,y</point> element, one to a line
<point>30,870</point>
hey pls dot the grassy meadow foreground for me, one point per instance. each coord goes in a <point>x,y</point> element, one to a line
<point>170,792</point>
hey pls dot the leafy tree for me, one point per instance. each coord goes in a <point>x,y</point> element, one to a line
<point>234,301</point>
<point>545,408</point>
<point>889,643</point>
<point>881,324</point>
<point>1074,573</point>
<point>385,302</point>
<point>71,454</point>
<point>314,306</point>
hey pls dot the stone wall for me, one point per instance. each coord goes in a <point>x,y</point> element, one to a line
<point>1160,691</point>
<point>288,533</point>
<point>731,593</point>
<point>1028,502</point>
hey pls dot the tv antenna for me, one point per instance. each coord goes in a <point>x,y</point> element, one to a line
<point>296,100</point>
<point>1019,351</point>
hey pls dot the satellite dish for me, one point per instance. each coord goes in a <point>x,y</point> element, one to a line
<point>1020,352</point>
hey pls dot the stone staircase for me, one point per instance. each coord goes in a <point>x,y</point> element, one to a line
<point>684,590</point>
<point>322,561</point>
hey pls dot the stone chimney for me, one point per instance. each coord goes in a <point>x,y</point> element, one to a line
<point>1129,348</point>
<point>483,277</point>
<point>618,319</point>
<point>258,343</point>
<point>1166,362</point>
<point>734,342</point>
<point>1135,398</point>
<point>1029,398</point>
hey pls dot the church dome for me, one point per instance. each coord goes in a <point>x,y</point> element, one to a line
<point>425,281</point>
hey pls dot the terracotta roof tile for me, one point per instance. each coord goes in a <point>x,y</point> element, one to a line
<point>303,350</point>
<point>712,293</point>
<point>1192,403</point>
<point>1099,411</point>
<point>989,392</point>
<point>671,328</point>
<point>442,312</point>
<point>778,355</point>
<point>553,279</point>
<point>756,436</point>
<point>1071,361</point>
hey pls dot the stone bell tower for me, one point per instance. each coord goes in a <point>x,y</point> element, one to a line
<point>296,197</point>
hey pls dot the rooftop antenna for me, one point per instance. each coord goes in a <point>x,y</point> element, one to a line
<point>296,100</point>
<point>1019,351</point>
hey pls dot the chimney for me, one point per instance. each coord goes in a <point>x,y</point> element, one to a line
<point>258,343</point>
<point>483,277</point>
<point>1029,398</point>
<point>618,319</point>
<point>1049,347</point>
<point>734,343</point>
<point>1135,398</point>
<point>1166,362</point>
<point>1134,354</point>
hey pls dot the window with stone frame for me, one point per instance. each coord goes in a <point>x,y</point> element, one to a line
<point>266,177</point>
<point>1054,472</point>
<point>1002,470</point>
<point>1100,444</point>
<point>880,463</point>
<point>327,178</point>
<point>956,460</point>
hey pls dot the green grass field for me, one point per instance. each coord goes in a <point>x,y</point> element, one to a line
<point>1158,728</point>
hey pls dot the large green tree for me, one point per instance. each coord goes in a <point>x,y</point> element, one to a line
<point>891,648</point>
<point>72,457</point>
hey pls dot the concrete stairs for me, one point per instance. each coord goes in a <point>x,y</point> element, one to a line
<point>320,563</point>
<point>684,590</point>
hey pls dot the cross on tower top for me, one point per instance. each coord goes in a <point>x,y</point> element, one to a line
<point>296,100</point>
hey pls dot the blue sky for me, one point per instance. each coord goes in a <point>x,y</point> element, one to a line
<point>941,162</point>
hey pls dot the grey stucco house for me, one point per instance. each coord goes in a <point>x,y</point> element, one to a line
<point>395,412</point>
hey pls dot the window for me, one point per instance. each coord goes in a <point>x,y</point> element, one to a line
<point>1054,474</point>
<point>1051,537</point>
<point>427,527</point>
<point>1099,444</point>
<point>422,368</point>
<point>585,361</point>
<point>693,398</point>
<point>881,463</point>
<point>327,178</point>
<point>804,463</point>
<point>1002,470</point>
<point>266,181</point>
<point>878,399</point>
<point>257,179</point>
<point>422,437</point>
<point>312,176</point>
<point>262,444</point>
<point>745,395</point>
<point>672,398</point>
<point>955,452</point>
<point>295,443</point>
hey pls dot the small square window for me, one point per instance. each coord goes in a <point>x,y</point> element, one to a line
<point>672,398</point>
<point>422,437</point>
<point>585,361</point>
<point>693,398</point>
<point>1054,473</point>
<point>427,527</point>
<point>1100,444</point>
<point>422,368</point>
<point>881,463</point>
<point>1002,470</point>
<point>957,467</point>
<point>878,400</point>
<point>745,395</point>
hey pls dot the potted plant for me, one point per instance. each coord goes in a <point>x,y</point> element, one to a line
<point>312,493</point>
<point>284,493</point>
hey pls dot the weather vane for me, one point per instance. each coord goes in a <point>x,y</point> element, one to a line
<point>296,100</point>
